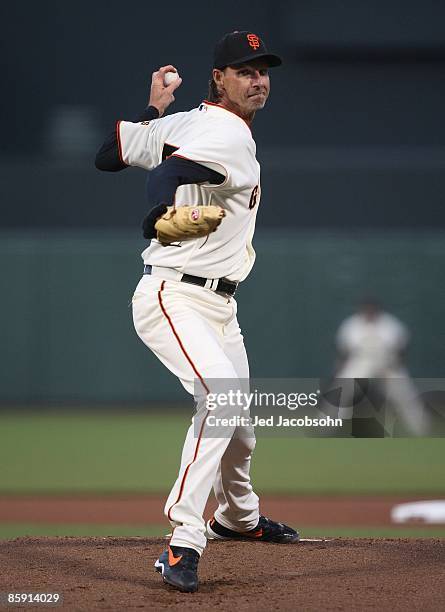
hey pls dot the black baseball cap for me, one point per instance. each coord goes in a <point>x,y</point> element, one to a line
<point>240,48</point>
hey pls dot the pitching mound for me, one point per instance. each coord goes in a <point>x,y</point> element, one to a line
<point>117,574</point>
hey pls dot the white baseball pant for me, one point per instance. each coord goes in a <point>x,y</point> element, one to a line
<point>399,391</point>
<point>195,334</point>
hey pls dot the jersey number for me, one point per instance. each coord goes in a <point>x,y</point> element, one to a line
<point>253,197</point>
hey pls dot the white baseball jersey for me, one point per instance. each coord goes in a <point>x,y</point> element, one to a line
<point>373,343</point>
<point>220,140</point>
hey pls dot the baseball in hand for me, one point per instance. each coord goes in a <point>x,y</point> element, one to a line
<point>169,77</point>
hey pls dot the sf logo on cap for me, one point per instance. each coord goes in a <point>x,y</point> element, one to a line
<point>253,41</point>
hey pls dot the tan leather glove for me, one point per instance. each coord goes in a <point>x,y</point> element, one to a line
<point>187,223</point>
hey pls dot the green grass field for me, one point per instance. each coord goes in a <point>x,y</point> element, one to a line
<point>119,453</point>
<point>139,452</point>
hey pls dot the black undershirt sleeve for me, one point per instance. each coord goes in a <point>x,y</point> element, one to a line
<point>108,158</point>
<point>163,181</point>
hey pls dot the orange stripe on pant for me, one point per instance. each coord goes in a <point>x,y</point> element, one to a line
<point>187,356</point>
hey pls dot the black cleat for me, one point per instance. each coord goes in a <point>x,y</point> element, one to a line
<point>265,531</point>
<point>178,567</point>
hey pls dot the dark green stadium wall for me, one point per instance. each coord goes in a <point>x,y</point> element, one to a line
<point>66,316</point>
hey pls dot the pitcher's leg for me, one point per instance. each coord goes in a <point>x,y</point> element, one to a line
<point>186,502</point>
<point>189,346</point>
<point>238,505</point>
<point>203,453</point>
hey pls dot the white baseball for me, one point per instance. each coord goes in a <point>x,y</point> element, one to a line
<point>169,77</point>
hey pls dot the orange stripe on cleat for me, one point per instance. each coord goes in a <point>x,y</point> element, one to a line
<point>172,560</point>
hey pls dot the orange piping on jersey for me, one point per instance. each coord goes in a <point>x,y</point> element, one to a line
<point>187,356</point>
<point>229,111</point>
<point>119,144</point>
<point>182,157</point>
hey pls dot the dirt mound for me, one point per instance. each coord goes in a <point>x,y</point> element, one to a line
<point>117,574</point>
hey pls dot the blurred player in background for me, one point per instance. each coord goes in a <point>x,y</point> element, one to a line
<point>371,344</point>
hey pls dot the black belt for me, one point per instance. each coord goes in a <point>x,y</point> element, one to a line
<point>224,286</point>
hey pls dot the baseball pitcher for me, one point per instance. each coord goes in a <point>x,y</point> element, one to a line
<point>204,191</point>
